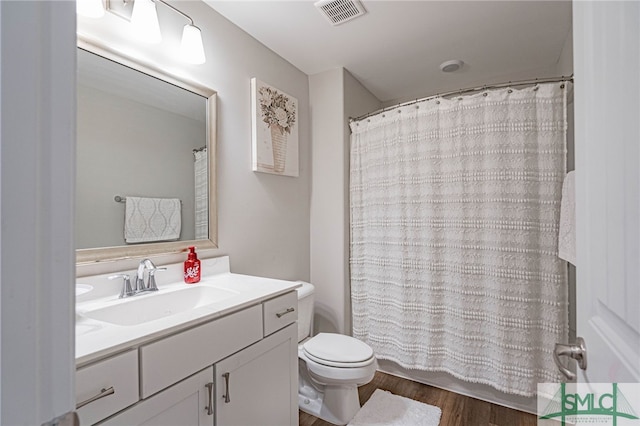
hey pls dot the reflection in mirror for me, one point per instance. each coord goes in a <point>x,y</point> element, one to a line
<point>144,155</point>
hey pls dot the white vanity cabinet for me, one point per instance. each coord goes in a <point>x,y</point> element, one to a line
<point>259,385</point>
<point>240,369</point>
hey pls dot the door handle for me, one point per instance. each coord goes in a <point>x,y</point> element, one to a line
<point>577,351</point>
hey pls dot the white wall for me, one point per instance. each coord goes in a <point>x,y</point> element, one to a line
<point>335,95</point>
<point>565,67</point>
<point>357,101</point>
<point>565,61</point>
<point>263,220</point>
<point>327,200</point>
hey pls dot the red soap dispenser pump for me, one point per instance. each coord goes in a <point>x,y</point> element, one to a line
<point>192,267</point>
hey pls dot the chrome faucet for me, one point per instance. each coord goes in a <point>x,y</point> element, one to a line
<point>151,280</point>
<point>139,286</point>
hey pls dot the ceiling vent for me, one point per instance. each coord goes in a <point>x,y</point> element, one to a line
<point>340,11</point>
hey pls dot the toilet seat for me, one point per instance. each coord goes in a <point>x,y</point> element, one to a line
<point>337,350</point>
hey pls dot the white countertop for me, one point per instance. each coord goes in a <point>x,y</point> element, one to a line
<point>96,339</point>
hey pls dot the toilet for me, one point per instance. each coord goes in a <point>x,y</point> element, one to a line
<point>330,366</point>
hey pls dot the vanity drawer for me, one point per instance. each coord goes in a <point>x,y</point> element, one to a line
<point>280,312</point>
<point>170,360</point>
<point>119,373</point>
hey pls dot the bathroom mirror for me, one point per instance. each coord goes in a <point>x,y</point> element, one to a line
<point>141,133</point>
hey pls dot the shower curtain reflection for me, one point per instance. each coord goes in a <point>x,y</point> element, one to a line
<point>201,193</point>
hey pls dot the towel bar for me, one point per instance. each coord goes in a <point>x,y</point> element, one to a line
<point>119,199</point>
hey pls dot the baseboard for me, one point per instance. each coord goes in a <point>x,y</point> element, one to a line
<point>450,383</point>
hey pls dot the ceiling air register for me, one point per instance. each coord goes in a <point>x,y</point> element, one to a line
<point>340,11</point>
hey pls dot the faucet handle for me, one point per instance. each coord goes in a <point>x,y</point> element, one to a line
<point>139,285</point>
<point>126,290</point>
<point>151,285</point>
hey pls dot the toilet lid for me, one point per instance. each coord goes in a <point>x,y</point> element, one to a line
<point>338,348</point>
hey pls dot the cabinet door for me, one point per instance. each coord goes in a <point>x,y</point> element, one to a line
<point>185,403</point>
<point>258,386</point>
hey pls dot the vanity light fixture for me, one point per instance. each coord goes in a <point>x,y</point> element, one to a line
<point>144,18</point>
<point>191,48</point>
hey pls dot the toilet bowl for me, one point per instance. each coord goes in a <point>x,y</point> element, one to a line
<point>331,367</point>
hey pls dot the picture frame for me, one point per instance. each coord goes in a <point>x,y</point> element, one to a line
<point>274,124</point>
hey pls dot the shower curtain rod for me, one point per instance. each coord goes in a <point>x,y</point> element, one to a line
<point>467,90</point>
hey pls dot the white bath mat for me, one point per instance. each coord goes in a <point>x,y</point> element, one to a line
<point>385,408</point>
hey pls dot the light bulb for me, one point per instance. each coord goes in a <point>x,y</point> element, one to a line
<point>191,49</point>
<point>144,21</point>
<point>90,8</point>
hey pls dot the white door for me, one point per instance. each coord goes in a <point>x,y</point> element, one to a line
<point>607,121</point>
<point>37,258</point>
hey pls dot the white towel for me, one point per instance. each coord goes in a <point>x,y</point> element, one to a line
<point>567,233</point>
<point>152,219</point>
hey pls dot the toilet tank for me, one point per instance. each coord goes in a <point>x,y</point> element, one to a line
<point>305,310</point>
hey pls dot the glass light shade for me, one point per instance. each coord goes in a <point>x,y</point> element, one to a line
<point>191,49</point>
<point>90,8</point>
<point>144,20</point>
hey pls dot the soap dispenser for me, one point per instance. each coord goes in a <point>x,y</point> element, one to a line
<point>192,267</point>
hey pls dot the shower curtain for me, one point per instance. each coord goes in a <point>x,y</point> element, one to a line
<point>201,194</point>
<point>454,229</point>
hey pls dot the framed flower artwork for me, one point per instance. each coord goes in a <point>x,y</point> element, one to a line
<point>274,133</point>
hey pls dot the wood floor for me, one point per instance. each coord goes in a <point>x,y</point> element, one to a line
<point>457,410</point>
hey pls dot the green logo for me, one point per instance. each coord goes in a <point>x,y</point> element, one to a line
<point>566,405</point>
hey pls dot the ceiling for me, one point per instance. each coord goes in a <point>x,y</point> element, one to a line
<point>395,50</point>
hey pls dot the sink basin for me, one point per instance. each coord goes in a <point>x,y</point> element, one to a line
<point>152,306</point>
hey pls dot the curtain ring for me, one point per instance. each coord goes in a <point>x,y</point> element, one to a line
<point>438,102</point>
<point>485,94</point>
<point>510,91</point>
<point>562,86</point>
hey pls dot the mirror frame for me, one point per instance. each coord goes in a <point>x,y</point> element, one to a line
<point>104,254</point>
